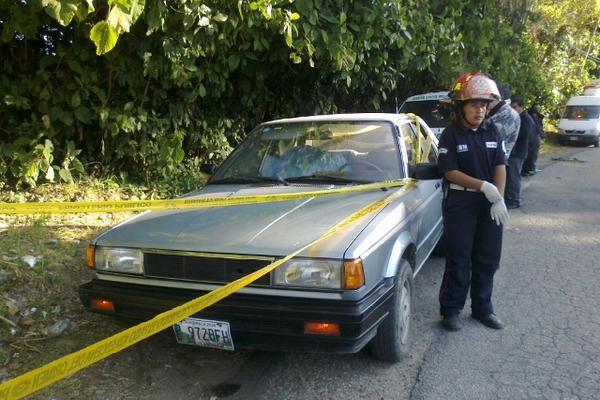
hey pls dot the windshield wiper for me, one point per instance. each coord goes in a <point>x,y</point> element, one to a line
<point>249,179</point>
<point>325,178</point>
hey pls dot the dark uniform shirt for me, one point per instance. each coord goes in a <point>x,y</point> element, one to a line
<point>473,152</point>
<point>527,133</point>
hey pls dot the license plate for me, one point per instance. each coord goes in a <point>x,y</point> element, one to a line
<point>205,333</point>
<point>573,138</point>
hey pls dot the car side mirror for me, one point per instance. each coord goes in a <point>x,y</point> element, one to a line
<point>424,171</point>
<point>207,170</point>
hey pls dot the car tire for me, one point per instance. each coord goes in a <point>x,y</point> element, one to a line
<point>597,143</point>
<point>394,335</point>
<point>440,248</point>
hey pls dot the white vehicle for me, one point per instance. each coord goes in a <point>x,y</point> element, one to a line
<point>581,121</point>
<point>428,107</point>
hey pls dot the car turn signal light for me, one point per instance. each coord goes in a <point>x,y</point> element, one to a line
<point>102,305</point>
<point>322,328</point>
<point>354,275</point>
<point>91,263</point>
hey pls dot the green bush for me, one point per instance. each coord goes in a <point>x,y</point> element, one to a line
<point>187,79</point>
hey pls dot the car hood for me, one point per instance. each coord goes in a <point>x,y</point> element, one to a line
<point>570,124</point>
<point>275,228</point>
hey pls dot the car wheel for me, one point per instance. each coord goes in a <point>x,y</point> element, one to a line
<point>597,143</point>
<point>394,335</point>
<point>440,248</point>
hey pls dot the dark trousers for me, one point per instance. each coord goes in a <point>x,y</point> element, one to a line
<point>473,249</point>
<point>512,192</point>
<point>532,156</point>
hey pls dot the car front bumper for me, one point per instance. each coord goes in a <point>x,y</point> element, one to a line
<point>259,321</point>
<point>577,138</point>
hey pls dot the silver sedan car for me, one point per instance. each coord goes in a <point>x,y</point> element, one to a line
<point>352,289</point>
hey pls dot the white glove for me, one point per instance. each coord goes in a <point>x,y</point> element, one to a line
<point>491,192</point>
<point>499,212</point>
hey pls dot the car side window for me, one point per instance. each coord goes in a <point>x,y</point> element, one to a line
<point>426,150</point>
<point>410,139</point>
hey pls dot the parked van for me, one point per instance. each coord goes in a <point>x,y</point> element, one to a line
<point>428,107</point>
<point>581,121</point>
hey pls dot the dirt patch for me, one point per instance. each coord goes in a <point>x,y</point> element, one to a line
<point>42,263</point>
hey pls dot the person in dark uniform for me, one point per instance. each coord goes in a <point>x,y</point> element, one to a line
<point>518,155</point>
<point>472,158</point>
<point>529,166</point>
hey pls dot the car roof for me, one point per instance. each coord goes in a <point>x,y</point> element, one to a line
<point>584,100</point>
<point>384,117</point>
<point>429,96</point>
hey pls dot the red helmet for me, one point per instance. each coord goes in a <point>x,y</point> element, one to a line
<point>474,86</point>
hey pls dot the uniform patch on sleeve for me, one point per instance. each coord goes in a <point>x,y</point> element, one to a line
<point>443,150</point>
<point>461,148</point>
<point>491,145</point>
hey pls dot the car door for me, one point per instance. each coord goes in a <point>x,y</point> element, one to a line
<point>421,146</point>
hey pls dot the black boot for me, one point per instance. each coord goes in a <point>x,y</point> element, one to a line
<point>489,320</point>
<point>451,323</point>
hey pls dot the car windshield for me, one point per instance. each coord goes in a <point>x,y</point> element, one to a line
<point>582,112</point>
<point>434,114</point>
<point>342,152</point>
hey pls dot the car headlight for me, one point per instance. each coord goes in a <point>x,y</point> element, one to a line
<point>311,273</point>
<point>115,259</point>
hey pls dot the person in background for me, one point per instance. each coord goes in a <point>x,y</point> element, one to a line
<point>518,155</point>
<point>506,119</point>
<point>529,166</point>
<point>472,159</point>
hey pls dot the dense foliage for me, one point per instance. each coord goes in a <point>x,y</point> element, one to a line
<point>180,82</point>
<point>567,43</point>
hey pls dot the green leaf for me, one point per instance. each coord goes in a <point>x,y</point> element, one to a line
<point>201,90</point>
<point>220,17</point>
<point>50,174</point>
<point>119,19</point>
<point>33,172</point>
<point>124,4</point>
<point>287,31</point>
<point>75,100</point>
<point>85,9</point>
<point>370,32</point>
<point>104,37</point>
<point>61,10</point>
<point>83,114</point>
<point>47,151</point>
<point>240,10</point>
<point>137,8</point>
<point>234,61</point>
<point>65,175</point>
<point>179,155</point>
<point>204,21</point>
<point>296,59</point>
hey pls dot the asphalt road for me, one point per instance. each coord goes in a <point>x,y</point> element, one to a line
<point>546,292</point>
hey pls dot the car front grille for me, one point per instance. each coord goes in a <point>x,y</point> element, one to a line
<point>574,131</point>
<point>203,267</point>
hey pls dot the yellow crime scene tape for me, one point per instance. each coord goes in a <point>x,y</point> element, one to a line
<point>39,378</point>
<point>420,154</point>
<point>182,203</point>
